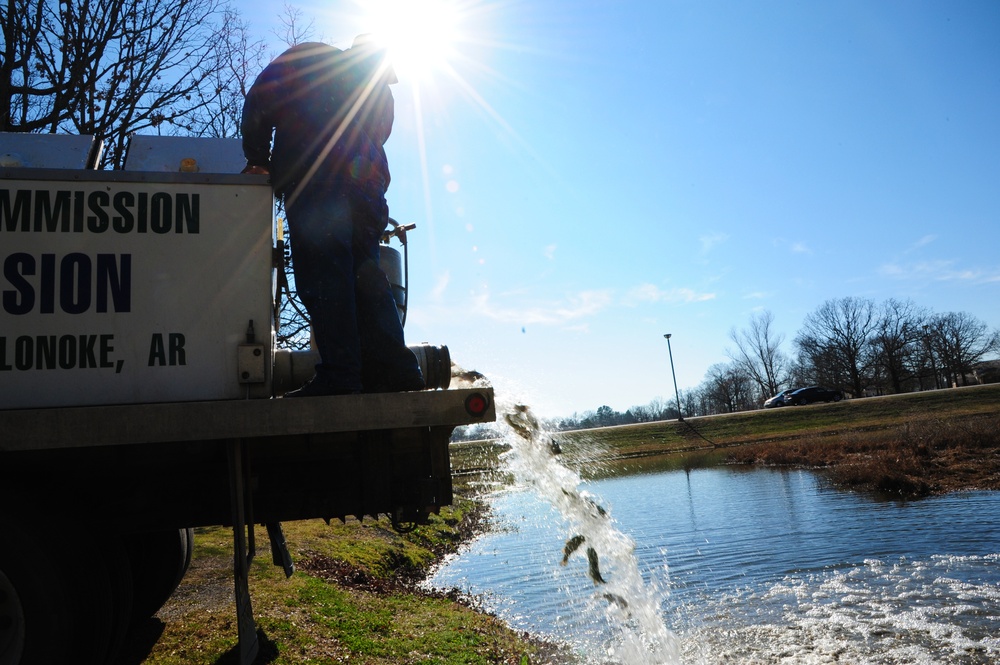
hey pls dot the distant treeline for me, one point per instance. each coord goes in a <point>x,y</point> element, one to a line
<point>855,345</point>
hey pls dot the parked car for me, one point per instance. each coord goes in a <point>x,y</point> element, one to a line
<point>779,400</point>
<point>813,394</point>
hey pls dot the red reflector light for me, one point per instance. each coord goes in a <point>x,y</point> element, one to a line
<point>476,404</point>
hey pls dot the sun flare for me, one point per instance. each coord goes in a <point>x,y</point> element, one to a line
<point>420,34</point>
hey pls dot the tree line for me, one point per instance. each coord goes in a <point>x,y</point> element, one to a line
<point>855,345</point>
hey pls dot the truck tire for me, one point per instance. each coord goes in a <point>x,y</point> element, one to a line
<point>56,604</point>
<point>159,560</point>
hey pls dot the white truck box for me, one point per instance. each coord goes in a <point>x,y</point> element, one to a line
<point>121,288</point>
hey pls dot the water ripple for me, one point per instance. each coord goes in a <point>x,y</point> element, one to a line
<point>764,567</point>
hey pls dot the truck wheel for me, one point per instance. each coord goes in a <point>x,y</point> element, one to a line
<point>159,561</point>
<point>55,600</point>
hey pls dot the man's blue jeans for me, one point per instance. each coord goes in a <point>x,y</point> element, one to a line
<point>337,276</point>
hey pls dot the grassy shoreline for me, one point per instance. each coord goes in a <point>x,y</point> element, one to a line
<point>354,597</point>
<point>802,436</point>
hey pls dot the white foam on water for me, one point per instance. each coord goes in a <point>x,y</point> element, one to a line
<point>904,611</point>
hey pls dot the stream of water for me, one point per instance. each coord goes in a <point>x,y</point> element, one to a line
<point>727,566</point>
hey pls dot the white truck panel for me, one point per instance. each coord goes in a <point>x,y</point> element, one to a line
<point>121,291</point>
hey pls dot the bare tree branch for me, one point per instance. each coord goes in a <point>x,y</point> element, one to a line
<point>835,344</point>
<point>759,355</point>
<point>110,68</point>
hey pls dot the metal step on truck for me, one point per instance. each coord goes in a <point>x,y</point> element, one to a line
<point>140,393</point>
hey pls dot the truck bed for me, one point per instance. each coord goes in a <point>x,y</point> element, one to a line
<point>168,465</point>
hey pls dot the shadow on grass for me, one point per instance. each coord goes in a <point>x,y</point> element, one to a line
<point>267,653</point>
<point>144,636</point>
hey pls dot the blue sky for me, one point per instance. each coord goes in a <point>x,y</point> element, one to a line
<point>586,176</point>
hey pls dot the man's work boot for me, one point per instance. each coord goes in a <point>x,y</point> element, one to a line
<point>397,385</point>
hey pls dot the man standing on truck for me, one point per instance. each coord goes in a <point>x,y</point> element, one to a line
<point>331,112</point>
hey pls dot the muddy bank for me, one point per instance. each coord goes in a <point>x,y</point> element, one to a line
<point>909,461</point>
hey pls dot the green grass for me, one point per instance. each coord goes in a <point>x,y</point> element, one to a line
<point>350,600</point>
<point>737,428</point>
<point>400,628</point>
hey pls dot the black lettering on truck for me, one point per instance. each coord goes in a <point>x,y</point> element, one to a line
<point>56,352</point>
<point>76,283</point>
<point>170,353</point>
<point>65,211</point>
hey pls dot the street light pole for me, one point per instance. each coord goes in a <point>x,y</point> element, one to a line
<point>677,395</point>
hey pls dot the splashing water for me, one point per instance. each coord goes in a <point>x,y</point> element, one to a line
<point>631,606</point>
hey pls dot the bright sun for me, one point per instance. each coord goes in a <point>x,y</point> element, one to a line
<point>420,34</point>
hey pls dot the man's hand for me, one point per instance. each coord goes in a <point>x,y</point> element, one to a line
<point>255,170</point>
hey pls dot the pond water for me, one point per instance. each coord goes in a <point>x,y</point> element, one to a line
<point>750,567</point>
